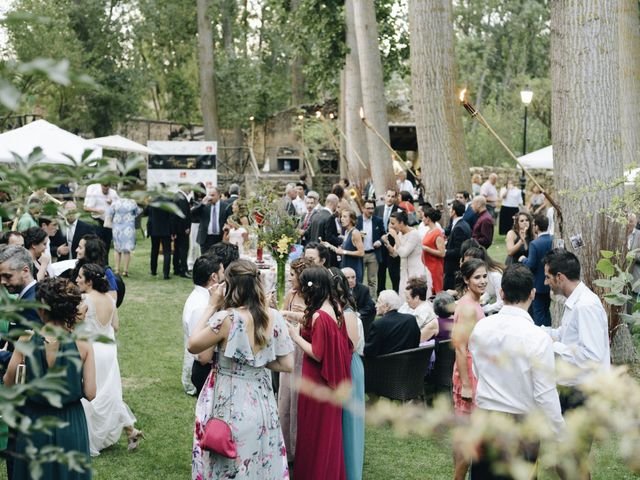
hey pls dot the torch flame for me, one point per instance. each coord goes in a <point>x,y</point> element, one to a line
<point>463,93</point>
<point>362,113</point>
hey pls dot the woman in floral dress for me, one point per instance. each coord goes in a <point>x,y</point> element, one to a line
<point>124,212</point>
<point>251,339</point>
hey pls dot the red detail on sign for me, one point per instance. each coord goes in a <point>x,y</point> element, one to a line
<point>209,149</point>
<point>183,174</point>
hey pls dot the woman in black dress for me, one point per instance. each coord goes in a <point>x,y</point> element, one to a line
<point>519,237</point>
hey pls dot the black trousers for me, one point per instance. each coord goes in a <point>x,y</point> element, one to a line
<point>166,252</point>
<point>180,254</point>
<point>105,234</point>
<point>392,265</point>
<point>199,374</point>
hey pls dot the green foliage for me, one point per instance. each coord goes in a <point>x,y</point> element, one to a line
<point>618,282</point>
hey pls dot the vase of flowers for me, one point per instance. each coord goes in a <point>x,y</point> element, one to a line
<point>276,230</point>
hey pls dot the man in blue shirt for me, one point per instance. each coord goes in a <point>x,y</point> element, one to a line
<point>537,250</point>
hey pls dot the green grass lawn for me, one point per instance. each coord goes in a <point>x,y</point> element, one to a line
<point>150,352</point>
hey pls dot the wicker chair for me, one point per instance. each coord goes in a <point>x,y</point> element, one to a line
<point>397,376</point>
<point>439,379</point>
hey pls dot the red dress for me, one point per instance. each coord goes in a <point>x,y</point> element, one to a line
<point>319,452</point>
<point>434,264</point>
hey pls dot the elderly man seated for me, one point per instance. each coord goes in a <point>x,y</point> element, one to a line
<point>393,331</point>
<point>418,305</point>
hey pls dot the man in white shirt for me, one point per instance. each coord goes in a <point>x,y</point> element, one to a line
<point>404,185</point>
<point>371,228</point>
<point>582,340</point>
<point>97,201</point>
<point>207,272</point>
<point>490,193</point>
<point>514,362</point>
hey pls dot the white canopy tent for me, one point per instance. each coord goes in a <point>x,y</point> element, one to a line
<point>543,158</point>
<point>122,144</point>
<point>54,142</point>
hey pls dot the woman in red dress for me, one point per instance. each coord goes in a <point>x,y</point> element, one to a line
<point>326,365</point>
<point>433,248</point>
<point>468,312</point>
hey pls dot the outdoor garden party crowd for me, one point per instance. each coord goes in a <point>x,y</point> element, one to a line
<point>281,388</point>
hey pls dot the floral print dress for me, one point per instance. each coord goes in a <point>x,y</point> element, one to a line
<point>239,392</point>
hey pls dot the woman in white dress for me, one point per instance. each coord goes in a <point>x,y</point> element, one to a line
<point>407,246</point>
<point>107,414</point>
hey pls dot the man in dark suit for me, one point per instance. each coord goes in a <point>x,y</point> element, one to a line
<point>307,235</point>
<point>213,213</point>
<point>460,231</point>
<point>159,228</point>
<point>364,303</point>
<point>543,244</point>
<point>388,262</point>
<point>74,230</point>
<point>181,229</point>
<point>16,276</point>
<point>329,230</point>
<point>371,228</point>
<point>393,331</point>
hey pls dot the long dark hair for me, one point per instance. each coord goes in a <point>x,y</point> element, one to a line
<point>467,269</point>
<point>95,274</point>
<point>245,290</point>
<point>341,290</point>
<point>94,252</point>
<point>516,225</point>
<point>316,286</point>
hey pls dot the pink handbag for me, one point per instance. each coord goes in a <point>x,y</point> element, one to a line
<point>217,438</point>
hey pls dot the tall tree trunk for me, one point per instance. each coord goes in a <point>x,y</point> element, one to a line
<point>630,81</point>
<point>297,77</point>
<point>433,78</point>
<point>208,100</point>
<point>373,98</point>
<point>585,122</point>
<point>587,131</point>
<point>356,144</point>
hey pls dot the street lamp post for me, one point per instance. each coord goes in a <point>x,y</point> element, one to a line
<point>526,96</point>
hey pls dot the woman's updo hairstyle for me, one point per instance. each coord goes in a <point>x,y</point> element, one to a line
<point>94,273</point>
<point>62,297</point>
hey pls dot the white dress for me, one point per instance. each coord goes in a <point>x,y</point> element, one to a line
<point>107,414</point>
<point>409,249</point>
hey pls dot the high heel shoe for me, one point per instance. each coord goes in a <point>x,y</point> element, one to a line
<point>134,438</point>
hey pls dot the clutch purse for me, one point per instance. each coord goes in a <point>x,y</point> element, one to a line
<point>217,438</point>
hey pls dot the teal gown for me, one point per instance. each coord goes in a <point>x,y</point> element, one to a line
<point>74,436</point>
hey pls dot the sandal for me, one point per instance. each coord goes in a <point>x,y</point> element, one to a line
<point>125,274</point>
<point>134,438</point>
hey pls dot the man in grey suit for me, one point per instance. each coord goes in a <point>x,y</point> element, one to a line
<point>212,212</point>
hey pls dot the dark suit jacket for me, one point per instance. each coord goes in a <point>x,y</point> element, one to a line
<point>330,234</point>
<point>181,225</point>
<point>316,226</point>
<point>82,229</point>
<point>393,332</point>
<point>203,212</point>
<point>365,306</point>
<point>29,314</point>
<point>537,250</point>
<point>160,223</point>
<point>470,216</point>
<point>460,233</point>
<point>377,230</point>
<point>379,212</point>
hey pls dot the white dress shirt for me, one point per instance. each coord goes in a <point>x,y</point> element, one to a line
<point>488,190</point>
<point>367,233</point>
<point>191,313</point>
<point>94,198</point>
<point>514,363</point>
<point>512,197</point>
<point>214,220</point>
<point>583,337</point>
<point>299,205</point>
<point>405,186</point>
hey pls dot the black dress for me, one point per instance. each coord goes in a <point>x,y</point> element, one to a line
<point>72,437</point>
<point>521,251</point>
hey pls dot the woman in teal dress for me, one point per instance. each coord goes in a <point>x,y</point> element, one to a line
<point>75,359</point>
<point>353,409</point>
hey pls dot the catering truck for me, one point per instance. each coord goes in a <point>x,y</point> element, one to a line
<point>182,162</point>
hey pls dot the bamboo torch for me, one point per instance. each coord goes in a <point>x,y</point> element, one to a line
<point>475,114</point>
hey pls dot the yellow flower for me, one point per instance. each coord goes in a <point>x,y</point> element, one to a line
<point>283,245</point>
